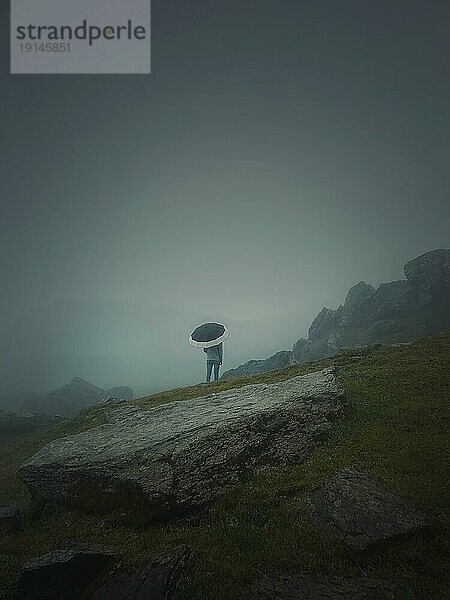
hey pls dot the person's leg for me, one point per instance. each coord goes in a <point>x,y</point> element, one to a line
<point>216,371</point>
<point>209,366</point>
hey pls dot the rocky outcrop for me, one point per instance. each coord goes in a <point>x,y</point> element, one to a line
<point>395,312</point>
<point>429,272</point>
<point>362,512</point>
<point>12,423</point>
<point>306,586</point>
<point>71,398</point>
<point>155,580</point>
<point>429,278</point>
<point>358,292</point>
<point>181,455</point>
<point>276,361</point>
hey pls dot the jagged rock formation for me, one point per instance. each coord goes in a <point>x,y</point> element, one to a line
<point>181,455</point>
<point>276,361</point>
<point>308,586</point>
<point>395,312</point>
<point>71,398</point>
<point>12,423</point>
<point>362,512</point>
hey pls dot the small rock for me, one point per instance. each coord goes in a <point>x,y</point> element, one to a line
<point>328,587</point>
<point>9,519</point>
<point>156,580</point>
<point>359,510</point>
<point>64,573</point>
<point>110,399</point>
<point>13,424</point>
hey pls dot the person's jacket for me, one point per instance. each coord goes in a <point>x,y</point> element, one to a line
<point>214,353</point>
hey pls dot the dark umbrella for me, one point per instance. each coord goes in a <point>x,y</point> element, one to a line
<point>208,334</point>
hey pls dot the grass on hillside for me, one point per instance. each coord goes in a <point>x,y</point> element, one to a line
<point>397,431</point>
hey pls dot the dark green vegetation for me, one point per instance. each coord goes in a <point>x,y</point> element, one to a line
<point>397,431</point>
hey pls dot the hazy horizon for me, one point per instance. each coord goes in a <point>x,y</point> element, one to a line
<point>145,390</point>
<point>274,158</point>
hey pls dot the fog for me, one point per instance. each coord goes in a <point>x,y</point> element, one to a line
<point>278,153</point>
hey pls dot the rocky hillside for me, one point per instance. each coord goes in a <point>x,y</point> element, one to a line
<point>71,398</point>
<point>276,361</point>
<point>321,480</point>
<point>395,312</point>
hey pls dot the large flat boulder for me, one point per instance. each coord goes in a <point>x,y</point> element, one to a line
<point>181,455</point>
<point>362,512</point>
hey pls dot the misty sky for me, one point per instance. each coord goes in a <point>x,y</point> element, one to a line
<point>280,152</point>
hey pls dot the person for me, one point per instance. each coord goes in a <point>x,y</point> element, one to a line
<point>214,356</point>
